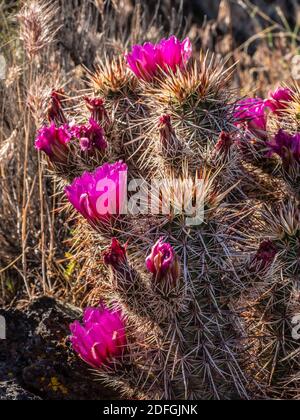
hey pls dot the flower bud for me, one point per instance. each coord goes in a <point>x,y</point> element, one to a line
<point>97,109</point>
<point>170,144</point>
<point>163,262</point>
<point>264,257</point>
<point>115,255</point>
<point>55,111</point>
<point>224,144</point>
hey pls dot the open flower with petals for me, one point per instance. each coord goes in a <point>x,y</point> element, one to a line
<point>54,141</point>
<point>102,337</point>
<point>279,99</point>
<point>162,261</point>
<point>101,195</point>
<point>91,136</point>
<point>173,53</point>
<point>287,147</point>
<point>147,60</point>
<point>251,113</point>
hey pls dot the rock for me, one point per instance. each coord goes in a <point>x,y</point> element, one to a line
<point>13,391</point>
<point>36,360</point>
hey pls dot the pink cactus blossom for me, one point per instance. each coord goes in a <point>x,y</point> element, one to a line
<point>163,261</point>
<point>91,136</point>
<point>279,99</point>
<point>53,141</point>
<point>100,195</point>
<point>174,53</point>
<point>102,337</point>
<point>287,147</point>
<point>251,113</point>
<point>169,54</point>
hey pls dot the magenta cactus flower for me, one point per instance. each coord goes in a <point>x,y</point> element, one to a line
<point>162,261</point>
<point>101,195</point>
<point>287,147</point>
<point>53,141</point>
<point>85,144</point>
<point>169,54</point>
<point>251,113</point>
<point>279,99</point>
<point>91,136</point>
<point>102,337</point>
<point>174,53</point>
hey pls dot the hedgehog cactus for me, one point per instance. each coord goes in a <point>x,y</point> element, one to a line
<point>202,292</point>
<point>272,300</point>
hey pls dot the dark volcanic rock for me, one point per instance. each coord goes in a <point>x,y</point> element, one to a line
<point>12,391</point>
<point>36,360</point>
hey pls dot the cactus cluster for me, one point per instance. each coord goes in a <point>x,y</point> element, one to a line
<point>199,310</point>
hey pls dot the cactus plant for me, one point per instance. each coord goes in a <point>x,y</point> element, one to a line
<point>206,298</point>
